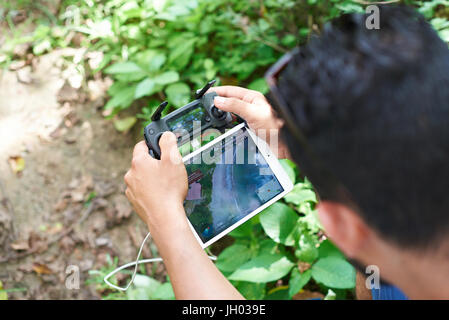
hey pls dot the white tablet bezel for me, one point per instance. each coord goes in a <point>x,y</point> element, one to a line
<point>272,162</point>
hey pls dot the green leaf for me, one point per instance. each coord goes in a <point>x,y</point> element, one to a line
<point>427,8</point>
<point>250,290</point>
<point>122,98</point>
<point>123,125</point>
<point>289,40</point>
<point>334,273</point>
<point>278,293</point>
<point>156,62</point>
<point>348,7</point>
<point>259,85</point>
<point>264,268</point>
<point>331,295</point>
<point>267,246</point>
<point>298,281</point>
<point>42,47</point>
<point>143,288</point>
<point>300,194</point>
<point>307,250</point>
<point>328,249</point>
<point>288,169</point>
<point>311,219</point>
<point>130,77</point>
<point>233,257</point>
<point>209,66</point>
<point>123,68</point>
<point>178,94</point>
<point>145,88</point>
<point>166,78</point>
<point>164,292</point>
<point>444,34</point>
<point>278,222</point>
<point>440,23</point>
<point>242,231</point>
<point>180,55</point>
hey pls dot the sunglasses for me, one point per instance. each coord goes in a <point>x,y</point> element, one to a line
<point>278,102</point>
<point>325,183</point>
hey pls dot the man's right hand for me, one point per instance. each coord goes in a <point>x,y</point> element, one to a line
<point>254,108</point>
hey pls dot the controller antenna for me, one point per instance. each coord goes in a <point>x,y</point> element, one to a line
<point>201,92</point>
<point>158,113</point>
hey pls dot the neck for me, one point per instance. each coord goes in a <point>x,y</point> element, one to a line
<point>418,275</point>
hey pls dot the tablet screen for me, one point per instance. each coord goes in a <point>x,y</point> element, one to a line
<point>227,181</point>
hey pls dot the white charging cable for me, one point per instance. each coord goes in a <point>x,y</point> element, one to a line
<point>135,263</point>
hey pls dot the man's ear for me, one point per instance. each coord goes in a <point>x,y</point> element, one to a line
<point>344,227</point>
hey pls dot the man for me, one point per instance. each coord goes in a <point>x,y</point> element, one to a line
<point>366,118</point>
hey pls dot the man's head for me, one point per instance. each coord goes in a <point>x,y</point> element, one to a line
<point>377,107</point>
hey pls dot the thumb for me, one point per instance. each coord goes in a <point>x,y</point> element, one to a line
<point>169,148</point>
<point>237,106</point>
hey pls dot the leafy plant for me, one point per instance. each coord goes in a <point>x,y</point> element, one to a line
<point>161,50</point>
<point>282,249</point>
<point>157,50</point>
<point>144,287</point>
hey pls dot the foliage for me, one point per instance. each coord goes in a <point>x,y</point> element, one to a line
<point>163,49</point>
<point>144,287</point>
<point>283,247</point>
<point>273,256</point>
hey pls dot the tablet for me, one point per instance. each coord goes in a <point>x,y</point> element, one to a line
<point>231,179</point>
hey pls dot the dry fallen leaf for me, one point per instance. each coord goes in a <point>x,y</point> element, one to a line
<point>80,187</point>
<point>77,196</point>
<point>56,228</point>
<point>41,268</point>
<point>37,243</point>
<point>303,266</point>
<point>17,164</point>
<point>122,207</point>
<point>67,244</point>
<point>61,205</point>
<point>104,188</point>
<point>20,245</point>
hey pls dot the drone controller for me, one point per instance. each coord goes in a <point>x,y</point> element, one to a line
<point>181,121</point>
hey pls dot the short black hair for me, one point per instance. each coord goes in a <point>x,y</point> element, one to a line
<point>377,106</point>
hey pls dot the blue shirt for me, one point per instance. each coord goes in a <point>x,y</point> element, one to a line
<point>388,292</point>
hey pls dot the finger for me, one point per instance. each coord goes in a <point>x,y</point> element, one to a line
<point>140,148</point>
<point>127,177</point>
<point>243,109</point>
<point>169,148</point>
<point>237,92</point>
<point>128,194</point>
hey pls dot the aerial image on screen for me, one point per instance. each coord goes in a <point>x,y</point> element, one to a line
<point>185,121</point>
<point>226,183</point>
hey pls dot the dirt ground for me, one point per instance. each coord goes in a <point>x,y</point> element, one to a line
<point>67,206</point>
